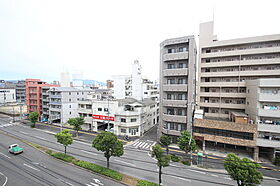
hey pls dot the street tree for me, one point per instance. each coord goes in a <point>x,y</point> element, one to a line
<point>65,138</point>
<point>76,123</point>
<point>186,142</point>
<point>33,117</point>
<point>244,171</point>
<point>162,159</point>
<point>165,141</point>
<point>108,143</point>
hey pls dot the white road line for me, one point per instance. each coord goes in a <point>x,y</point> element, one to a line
<point>31,167</point>
<point>134,144</point>
<point>131,164</point>
<point>5,177</point>
<point>145,145</point>
<point>5,155</point>
<point>40,137</point>
<point>148,146</point>
<point>22,132</point>
<point>214,175</point>
<point>140,146</point>
<point>76,141</point>
<point>181,178</point>
<point>89,152</point>
<point>175,165</point>
<point>197,171</point>
<point>227,178</point>
<point>93,184</point>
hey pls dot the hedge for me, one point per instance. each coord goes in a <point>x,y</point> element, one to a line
<point>62,156</point>
<point>175,158</point>
<point>146,183</point>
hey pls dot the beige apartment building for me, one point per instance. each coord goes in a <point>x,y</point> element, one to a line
<point>177,85</point>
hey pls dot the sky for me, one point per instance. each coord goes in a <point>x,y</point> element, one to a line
<point>41,38</point>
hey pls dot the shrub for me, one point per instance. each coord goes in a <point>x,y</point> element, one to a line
<point>188,163</point>
<point>49,152</point>
<point>62,156</point>
<point>99,169</point>
<point>145,183</point>
<point>277,160</point>
<point>175,158</point>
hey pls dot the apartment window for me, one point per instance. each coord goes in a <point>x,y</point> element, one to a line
<point>69,106</point>
<point>133,120</point>
<point>180,112</point>
<point>184,49</point>
<point>182,65</point>
<point>123,120</point>
<point>145,92</point>
<point>207,60</point>
<point>105,109</point>
<point>123,130</point>
<point>69,93</point>
<point>170,66</point>
<point>170,111</point>
<point>170,81</point>
<point>169,50</point>
<point>169,96</point>
<point>99,109</point>
<point>70,113</point>
<point>181,49</point>
<point>70,100</point>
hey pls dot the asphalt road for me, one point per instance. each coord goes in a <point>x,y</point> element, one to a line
<point>33,167</point>
<point>135,162</point>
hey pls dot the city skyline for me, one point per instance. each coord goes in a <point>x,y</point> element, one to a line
<point>37,36</point>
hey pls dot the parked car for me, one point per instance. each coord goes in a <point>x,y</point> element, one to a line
<point>15,149</point>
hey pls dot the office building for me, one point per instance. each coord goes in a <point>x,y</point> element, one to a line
<point>177,85</point>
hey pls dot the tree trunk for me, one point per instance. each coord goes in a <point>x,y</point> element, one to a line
<point>77,133</point>
<point>159,174</point>
<point>64,149</point>
<point>108,162</point>
<point>167,149</point>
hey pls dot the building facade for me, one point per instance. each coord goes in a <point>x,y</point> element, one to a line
<point>34,94</point>
<point>7,95</point>
<point>225,66</point>
<point>263,109</point>
<point>177,85</point>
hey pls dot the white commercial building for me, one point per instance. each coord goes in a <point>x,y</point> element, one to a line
<point>7,95</point>
<point>134,85</point>
<point>126,117</point>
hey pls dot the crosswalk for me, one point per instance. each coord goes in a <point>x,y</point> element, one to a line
<point>7,125</point>
<point>142,144</point>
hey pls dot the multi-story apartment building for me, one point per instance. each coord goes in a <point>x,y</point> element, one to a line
<point>177,85</point>
<point>126,117</point>
<point>263,108</point>
<point>34,94</point>
<point>19,85</point>
<point>63,103</point>
<point>7,95</point>
<point>134,85</point>
<point>225,66</point>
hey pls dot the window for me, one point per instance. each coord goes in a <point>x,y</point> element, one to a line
<point>170,66</point>
<point>169,96</point>
<point>181,49</point>
<point>169,50</point>
<point>70,100</point>
<point>123,130</point>
<point>145,92</point>
<point>99,109</point>
<point>185,49</point>
<point>105,109</point>
<point>70,113</point>
<point>77,93</point>
<point>123,120</point>
<point>133,120</point>
<point>207,60</point>
<point>170,111</point>
<point>69,93</point>
<point>69,106</point>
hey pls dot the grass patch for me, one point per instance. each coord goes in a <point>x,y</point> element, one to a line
<point>175,158</point>
<point>99,169</point>
<point>62,156</point>
<point>145,183</point>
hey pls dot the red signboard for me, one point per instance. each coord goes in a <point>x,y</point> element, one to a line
<point>103,117</point>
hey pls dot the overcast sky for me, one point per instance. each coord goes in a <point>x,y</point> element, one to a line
<point>101,38</point>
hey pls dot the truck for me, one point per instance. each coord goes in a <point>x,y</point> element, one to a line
<point>15,149</point>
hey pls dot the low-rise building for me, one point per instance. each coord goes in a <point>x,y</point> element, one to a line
<point>7,95</point>
<point>126,117</point>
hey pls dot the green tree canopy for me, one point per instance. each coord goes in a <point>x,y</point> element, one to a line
<point>65,138</point>
<point>165,141</point>
<point>76,123</point>
<point>108,143</point>
<point>186,142</point>
<point>33,117</point>
<point>244,171</point>
<point>162,160</point>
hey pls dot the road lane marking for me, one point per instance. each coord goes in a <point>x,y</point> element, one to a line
<point>214,175</point>
<point>197,171</point>
<point>5,155</point>
<point>142,144</point>
<point>93,184</point>
<point>31,167</point>
<point>23,132</point>
<point>89,152</point>
<point>131,164</point>
<point>40,137</point>
<point>135,144</point>
<point>181,178</point>
<point>97,181</point>
<point>5,177</point>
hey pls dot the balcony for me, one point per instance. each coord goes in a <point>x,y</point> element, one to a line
<point>55,109</point>
<point>54,117</point>
<point>175,87</point>
<point>171,132</point>
<point>262,72</point>
<point>268,143</point>
<point>241,52</point>
<point>84,110</point>
<point>242,62</point>
<point>269,97</point>
<point>268,128</point>
<point>175,72</point>
<point>174,103</point>
<point>55,96</point>
<point>223,105</point>
<point>223,84</point>
<point>55,103</point>
<point>223,94</point>
<point>174,118</point>
<point>269,113</point>
<point>175,56</point>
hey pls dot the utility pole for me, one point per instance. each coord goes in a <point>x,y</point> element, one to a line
<point>108,121</point>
